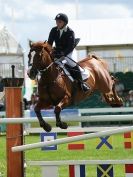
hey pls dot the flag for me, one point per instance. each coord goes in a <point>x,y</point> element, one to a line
<point>77,145</point>
<point>128,144</point>
<point>129,170</point>
<point>76,170</point>
<point>105,142</point>
<point>105,170</point>
<point>48,137</point>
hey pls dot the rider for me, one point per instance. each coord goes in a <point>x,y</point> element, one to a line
<point>64,39</point>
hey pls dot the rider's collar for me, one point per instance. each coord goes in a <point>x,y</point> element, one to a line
<point>63,29</point>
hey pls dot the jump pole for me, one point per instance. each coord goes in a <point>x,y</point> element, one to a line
<point>101,118</point>
<point>72,139</point>
<point>14,132</point>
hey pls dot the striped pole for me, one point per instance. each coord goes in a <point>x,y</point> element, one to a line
<point>72,139</point>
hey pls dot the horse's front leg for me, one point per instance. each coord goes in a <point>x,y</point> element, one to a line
<point>64,102</point>
<point>43,124</point>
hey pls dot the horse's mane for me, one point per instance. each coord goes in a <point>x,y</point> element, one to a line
<point>40,45</point>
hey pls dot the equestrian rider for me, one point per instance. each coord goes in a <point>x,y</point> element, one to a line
<point>64,39</point>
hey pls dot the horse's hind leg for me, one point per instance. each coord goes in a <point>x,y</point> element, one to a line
<point>112,98</point>
<point>42,123</point>
<point>118,100</point>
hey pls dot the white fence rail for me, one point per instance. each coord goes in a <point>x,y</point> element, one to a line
<point>101,118</point>
<point>78,162</point>
<point>50,168</point>
<point>70,129</point>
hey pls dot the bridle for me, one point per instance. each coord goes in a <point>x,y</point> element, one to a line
<point>31,64</point>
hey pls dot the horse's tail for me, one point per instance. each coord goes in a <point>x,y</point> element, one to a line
<point>90,56</point>
<point>96,57</point>
<point>104,63</point>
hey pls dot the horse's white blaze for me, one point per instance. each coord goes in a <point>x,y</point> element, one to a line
<point>28,71</point>
<point>32,56</point>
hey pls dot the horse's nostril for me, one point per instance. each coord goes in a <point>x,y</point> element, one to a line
<point>32,73</point>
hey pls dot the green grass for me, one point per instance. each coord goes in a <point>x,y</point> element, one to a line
<point>62,153</point>
<point>36,124</point>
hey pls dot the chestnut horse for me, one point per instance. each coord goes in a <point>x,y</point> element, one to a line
<point>56,89</point>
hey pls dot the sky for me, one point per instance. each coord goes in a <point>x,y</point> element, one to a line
<point>33,19</point>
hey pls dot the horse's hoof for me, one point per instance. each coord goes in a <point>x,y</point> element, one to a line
<point>62,125</point>
<point>116,105</point>
<point>46,127</point>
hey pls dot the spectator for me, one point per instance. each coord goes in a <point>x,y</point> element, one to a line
<point>25,103</point>
<point>119,88</point>
<point>34,99</point>
<point>126,100</point>
<point>1,85</point>
<point>2,105</point>
<point>131,97</point>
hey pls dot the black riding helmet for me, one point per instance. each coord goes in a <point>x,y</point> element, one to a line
<point>62,17</point>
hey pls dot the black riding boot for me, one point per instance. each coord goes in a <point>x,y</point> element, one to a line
<point>78,77</point>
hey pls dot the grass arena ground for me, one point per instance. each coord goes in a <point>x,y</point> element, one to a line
<point>89,153</point>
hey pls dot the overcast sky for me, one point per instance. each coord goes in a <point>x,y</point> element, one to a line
<point>33,19</point>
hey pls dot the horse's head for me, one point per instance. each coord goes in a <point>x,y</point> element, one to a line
<point>39,58</point>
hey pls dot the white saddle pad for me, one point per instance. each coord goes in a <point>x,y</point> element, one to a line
<point>85,73</point>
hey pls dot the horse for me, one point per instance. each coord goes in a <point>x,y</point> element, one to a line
<point>56,90</point>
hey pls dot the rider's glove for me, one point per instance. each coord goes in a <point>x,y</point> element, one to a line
<point>56,54</point>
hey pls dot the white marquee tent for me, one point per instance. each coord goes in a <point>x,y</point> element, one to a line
<point>11,53</point>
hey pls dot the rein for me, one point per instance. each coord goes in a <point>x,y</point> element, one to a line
<point>45,69</point>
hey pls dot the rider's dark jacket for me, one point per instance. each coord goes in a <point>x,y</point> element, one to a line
<point>64,44</point>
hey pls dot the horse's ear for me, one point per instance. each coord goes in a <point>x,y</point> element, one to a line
<point>49,47</point>
<point>30,43</point>
<point>45,41</point>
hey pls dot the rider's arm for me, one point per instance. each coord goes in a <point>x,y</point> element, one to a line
<point>51,36</point>
<point>70,43</point>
